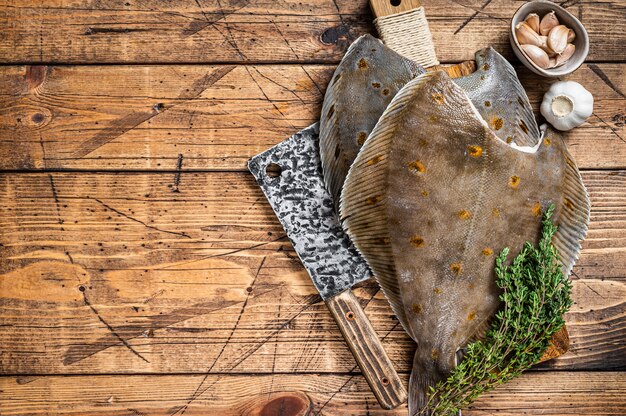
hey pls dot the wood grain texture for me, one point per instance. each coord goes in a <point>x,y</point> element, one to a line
<point>362,339</point>
<point>217,117</point>
<point>204,31</point>
<point>550,393</point>
<point>191,272</point>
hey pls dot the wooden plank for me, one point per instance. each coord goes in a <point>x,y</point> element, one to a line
<point>205,31</point>
<point>550,393</point>
<point>191,272</point>
<point>216,117</point>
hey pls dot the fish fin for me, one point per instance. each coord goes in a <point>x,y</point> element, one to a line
<point>481,331</point>
<point>363,206</point>
<point>573,217</point>
<point>333,158</point>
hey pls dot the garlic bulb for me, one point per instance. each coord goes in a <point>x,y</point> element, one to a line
<point>566,105</point>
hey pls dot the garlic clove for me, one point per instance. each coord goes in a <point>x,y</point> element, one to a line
<point>532,20</point>
<point>526,36</point>
<point>548,22</point>
<point>571,35</point>
<point>537,55</point>
<point>552,63</point>
<point>557,38</point>
<point>567,53</point>
<point>545,47</point>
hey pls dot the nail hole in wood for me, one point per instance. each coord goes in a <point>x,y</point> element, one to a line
<point>350,315</point>
<point>273,170</point>
<point>384,380</point>
<point>395,3</point>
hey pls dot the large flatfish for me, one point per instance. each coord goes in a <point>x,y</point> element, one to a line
<point>433,196</point>
<point>371,74</point>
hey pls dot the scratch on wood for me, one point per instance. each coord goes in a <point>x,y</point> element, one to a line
<point>130,121</point>
<point>110,328</point>
<point>472,17</point>
<point>77,353</point>
<point>312,80</point>
<point>56,199</point>
<point>152,227</point>
<point>198,26</point>
<point>613,130</point>
<point>596,70</point>
<point>332,396</point>
<point>179,166</point>
<point>195,394</point>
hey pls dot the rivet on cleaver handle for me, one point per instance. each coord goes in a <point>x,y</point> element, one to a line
<point>290,175</point>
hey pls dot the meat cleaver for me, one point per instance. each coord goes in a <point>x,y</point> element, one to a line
<point>290,175</point>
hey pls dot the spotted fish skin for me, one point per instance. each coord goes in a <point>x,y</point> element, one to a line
<point>499,97</point>
<point>368,77</point>
<point>433,197</point>
<point>371,74</point>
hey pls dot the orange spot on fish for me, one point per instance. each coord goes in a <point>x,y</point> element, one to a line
<point>360,139</point>
<point>434,353</point>
<point>375,160</point>
<point>416,167</point>
<point>456,268</point>
<point>362,63</point>
<point>547,141</point>
<point>417,241</point>
<point>509,139</point>
<point>417,308</point>
<point>437,291</point>
<point>434,119</point>
<point>471,316</point>
<point>486,67</point>
<point>386,91</point>
<point>495,212</point>
<point>497,123</point>
<point>465,215</point>
<point>487,251</point>
<point>373,200</point>
<point>568,203</point>
<point>424,193</point>
<point>438,98</point>
<point>487,103</point>
<point>475,151</point>
<point>482,77</point>
<point>537,209</point>
<point>514,181</point>
<point>376,84</point>
<point>523,126</point>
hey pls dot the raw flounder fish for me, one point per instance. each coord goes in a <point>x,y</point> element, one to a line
<point>371,74</point>
<point>432,198</point>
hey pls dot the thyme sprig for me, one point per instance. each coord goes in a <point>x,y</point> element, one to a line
<point>535,294</point>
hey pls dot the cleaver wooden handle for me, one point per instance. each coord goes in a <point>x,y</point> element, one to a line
<point>367,349</point>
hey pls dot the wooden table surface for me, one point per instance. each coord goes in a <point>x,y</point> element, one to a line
<point>144,273</point>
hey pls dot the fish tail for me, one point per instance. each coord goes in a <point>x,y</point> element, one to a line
<point>420,384</point>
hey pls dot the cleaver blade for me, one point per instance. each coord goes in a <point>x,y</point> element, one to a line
<point>290,176</point>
